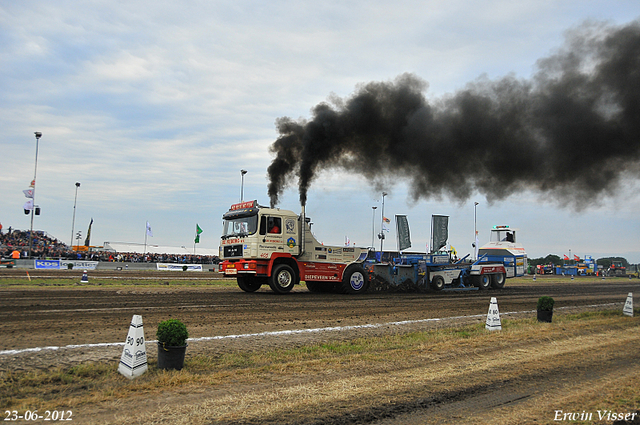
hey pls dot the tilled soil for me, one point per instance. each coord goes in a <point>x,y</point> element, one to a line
<point>47,326</point>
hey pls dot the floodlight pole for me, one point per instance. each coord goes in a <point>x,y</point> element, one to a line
<point>373,228</point>
<point>33,207</point>
<point>73,222</point>
<point>475,229</point>
<point>382,225</point>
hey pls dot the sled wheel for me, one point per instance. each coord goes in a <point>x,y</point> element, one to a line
<point>483,281</point>
<point>437,283</point>
<point>497,281</point>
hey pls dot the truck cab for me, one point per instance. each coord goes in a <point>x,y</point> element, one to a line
<point>261,245</point>
<point>253,232</point>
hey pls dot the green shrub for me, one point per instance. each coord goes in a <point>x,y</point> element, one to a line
<point>172,332</point>
<point>545,303</point>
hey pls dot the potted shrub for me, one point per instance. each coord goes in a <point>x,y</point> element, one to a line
<point>545,309</point>
<point>172,337</point>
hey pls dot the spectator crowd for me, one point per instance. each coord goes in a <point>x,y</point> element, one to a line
<point>44,246</point>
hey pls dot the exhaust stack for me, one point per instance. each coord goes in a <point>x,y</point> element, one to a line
<point>303,229</point>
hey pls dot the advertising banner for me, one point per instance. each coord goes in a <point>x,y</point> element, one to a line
<point>78,264</point>
<point>179,267</point>
<point>47,264</point>
<point>63,264</point>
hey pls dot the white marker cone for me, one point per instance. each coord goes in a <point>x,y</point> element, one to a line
<point>133,361</point>
<point>628,305</point>
<point>85,277</point>
<point>493,316</point>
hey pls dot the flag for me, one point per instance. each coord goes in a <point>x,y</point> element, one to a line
<point>198,231</point>
<point>28,206</point>
<point>88,239</point>
<point>386,220</point>
<point>439,231</point>
<point>575,257</point>
<point>28,193</point>
<point>346,241</point>
<point>566,258</point>
<point>402,227</point>
<point>149,232</point>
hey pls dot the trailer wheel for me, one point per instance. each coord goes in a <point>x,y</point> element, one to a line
<point>354,280</point>
<point>497,281</point>
<point>482,282</point>
<point>282,279</point>
<point>248,283</point>
<point>437,283</point>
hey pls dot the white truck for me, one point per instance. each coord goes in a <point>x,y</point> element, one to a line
<point>262,245</point>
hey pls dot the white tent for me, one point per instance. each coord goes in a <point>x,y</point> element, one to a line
<point>139,248</point>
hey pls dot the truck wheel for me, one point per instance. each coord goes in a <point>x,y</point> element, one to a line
<point>355,280</point>
<point>437,283</point>
<point>497,281</point>
<point>248,283</point>
<point>482,282</point>
<point>282,279</point>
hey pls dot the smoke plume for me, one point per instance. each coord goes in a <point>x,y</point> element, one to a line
<point>570,133</point>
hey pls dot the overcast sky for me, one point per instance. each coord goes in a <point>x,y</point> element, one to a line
<point>156,106</point>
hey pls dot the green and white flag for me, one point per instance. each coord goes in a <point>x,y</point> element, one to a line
<point>198,231</point>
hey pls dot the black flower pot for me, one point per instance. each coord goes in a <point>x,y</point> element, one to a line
<point>170,357</point>
<point>545,315</point>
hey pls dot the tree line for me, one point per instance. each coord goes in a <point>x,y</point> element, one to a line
<point>556,260</point>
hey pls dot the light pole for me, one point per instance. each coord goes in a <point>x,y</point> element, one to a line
<point>73,223</point>
<point>38,136</point>
<point>475,229</point>
<point>373,228</point>
<point>242,173</point>
<point>382,225</point>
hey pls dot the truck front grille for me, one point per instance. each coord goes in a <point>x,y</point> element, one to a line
<point>232,251</point>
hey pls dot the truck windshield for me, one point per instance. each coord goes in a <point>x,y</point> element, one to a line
<point>242,226</point>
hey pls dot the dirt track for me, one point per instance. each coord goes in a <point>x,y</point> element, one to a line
<point>93,314</point>
<point>89,314</point>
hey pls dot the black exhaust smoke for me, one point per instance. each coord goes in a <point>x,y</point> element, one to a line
<point>571,132</point>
